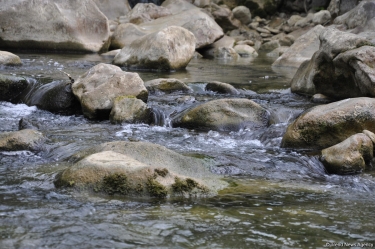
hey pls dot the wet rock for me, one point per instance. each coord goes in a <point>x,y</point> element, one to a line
<point>326,125</point>
<point>322,17</point>
<point>243,14</point>
<point>72,25</point>
<point>129,110</point>
<point>144,12</point>
<point>302,49</point>
<point>26,123</point>
<point>113,8</point>
<point>245,51</point>
<point>166,85</point>
<point>27,139</point>
<point>9,59</point>
<point>11,87</point>
<point>300,83</point>
<point>348,157</point>
<point>98,87</point>
<point>224,115</point>
<point>342,67</point>
<point>221,87</point>
<point>139,169</point>
<point>111,53</point>
<point>169,49</point>
<point>55,97</point>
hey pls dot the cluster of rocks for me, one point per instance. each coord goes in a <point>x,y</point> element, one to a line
<point>335,62</point>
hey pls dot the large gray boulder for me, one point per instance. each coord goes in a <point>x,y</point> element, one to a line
<point>350,156</point>
<point>339,7</point>
<point>11,87</point>
<point>224,115</point>
<point>326,125</point>
<point>9,59</point>
<point>359,19</point>
<point>53,25</point>
<point>302,49</point>
<point>27,139</point>
<point>98,87</point>
<point>341,68</point>
<point>139,169</point>
<point>112,9</point>
<point>171,48</point>
<point>204,28</point>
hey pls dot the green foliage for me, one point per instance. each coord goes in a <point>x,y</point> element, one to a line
<point>115,184</point>
<point>155,189</point>
<point>162,172</point>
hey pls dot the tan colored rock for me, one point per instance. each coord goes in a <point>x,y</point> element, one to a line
<point>145,12</point>
<point>169,49</point>
<point>139,169</point>
<point>26,139</point>
<point>166,85</point>
<point>98,87</point>
<point>129,110</point>
<point>9,59</point>
<point>224,114</point>
<point>326,125</point>
<point>350,156</point>
<point>220,87</point>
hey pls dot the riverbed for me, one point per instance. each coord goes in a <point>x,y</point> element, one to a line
<point>277,197</point>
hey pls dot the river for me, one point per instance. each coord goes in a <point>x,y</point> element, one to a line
<point>279,198</point>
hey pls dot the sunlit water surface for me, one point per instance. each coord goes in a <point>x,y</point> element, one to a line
<point>278,198</point>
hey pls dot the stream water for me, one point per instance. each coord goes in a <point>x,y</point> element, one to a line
<point>278,198</point>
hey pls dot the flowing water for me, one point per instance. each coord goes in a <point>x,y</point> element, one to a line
<point>278,198</point>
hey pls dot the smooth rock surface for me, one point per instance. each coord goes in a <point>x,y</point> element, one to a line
<point>53,25</point>
<point>27,139</point>
<point>326,125</point>
<point>166,85</point>
<point>98,87</point>
<point>129,110</point>
<point>350,156</point>
<point>169,49</point>
<point>9,59</point>
<point>224,115</point>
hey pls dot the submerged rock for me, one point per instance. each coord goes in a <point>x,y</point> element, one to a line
<point>27,139</point>
<point>11,87</point>
<point>166,85</point>
<point>53,25</point>
<point>98,87</point>
<point>326,125</point>
<point>169,49</point>
<point>139,169</point>
<point>221,87</point>
<point>9,59</point>
<point>350,156</point>
<point>224,115</point>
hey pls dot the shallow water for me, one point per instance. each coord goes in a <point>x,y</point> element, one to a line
<point>278,198</point>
